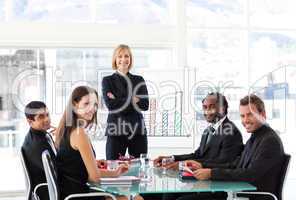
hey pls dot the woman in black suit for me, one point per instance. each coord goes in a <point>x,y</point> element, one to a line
<point>125,96</point>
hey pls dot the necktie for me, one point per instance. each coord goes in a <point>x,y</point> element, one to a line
<point>248,152</point>
<point>51,143</point>
<point>210,133</point>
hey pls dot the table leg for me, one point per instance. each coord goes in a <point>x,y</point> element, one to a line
<point>231,196</point>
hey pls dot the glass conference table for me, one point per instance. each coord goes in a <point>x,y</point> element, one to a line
<point>156,182</point>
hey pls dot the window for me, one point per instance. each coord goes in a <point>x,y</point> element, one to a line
<point>270,50</point>
<point>2,11</point>
<point>219,56</point>
<point>22,74</point>
<point>203,13</point>
<point>272,14</point>
<point>146,12</point>
<point>51,11</point>
<point>102,11</point>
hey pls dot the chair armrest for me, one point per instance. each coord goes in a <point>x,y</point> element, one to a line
<point>259,193</point>
<point>36,188</point>
<point>96,189</point>
<point>92,194</point>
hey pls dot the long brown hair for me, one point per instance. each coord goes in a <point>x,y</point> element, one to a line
<point>69,120</point>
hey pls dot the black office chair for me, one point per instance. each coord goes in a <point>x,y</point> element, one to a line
<point>53,188</point>
<point>283,175</point>
<point>281,180</point>
<point>30,193</point>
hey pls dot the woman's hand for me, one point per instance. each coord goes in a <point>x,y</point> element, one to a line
<point>102,164</point>
<point>121,169</point>
<point>136,99</point>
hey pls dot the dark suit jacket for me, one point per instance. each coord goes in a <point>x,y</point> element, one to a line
<point>121,109</point>
<point>225,145</point>
<point>263,166</point>
<point>34,144</point>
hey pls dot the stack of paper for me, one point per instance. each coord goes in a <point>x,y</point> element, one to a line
<point>187,169</point>
<point>121,180</point>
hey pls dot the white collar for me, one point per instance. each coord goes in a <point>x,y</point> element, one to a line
<point>218,123</point>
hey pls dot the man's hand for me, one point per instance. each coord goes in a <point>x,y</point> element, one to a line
<point>192,164</point>
<point>102,164</point>
<point>173,165</point>
<point>203,174</point>
<point>110,95</point>
<point>158,160</point>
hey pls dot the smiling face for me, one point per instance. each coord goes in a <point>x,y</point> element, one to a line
<point>86,108</point>
<point>251,118</point>
<point>41,120</point>
<point>210,108</point>
<point>123,60</point>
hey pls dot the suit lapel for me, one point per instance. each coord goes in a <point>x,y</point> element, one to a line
<point>215,138</point>
<point>203,142</point>
<point>207,146</point>
<point>242,159</point>
<point>120,85</point>
<point>253,152</point>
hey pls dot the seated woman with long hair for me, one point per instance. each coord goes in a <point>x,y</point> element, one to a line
<point>76,161</point>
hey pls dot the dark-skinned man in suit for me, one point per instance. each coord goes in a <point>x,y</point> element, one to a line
<point>221,140</point>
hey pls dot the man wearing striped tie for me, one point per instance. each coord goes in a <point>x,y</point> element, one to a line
<point>36,141</point>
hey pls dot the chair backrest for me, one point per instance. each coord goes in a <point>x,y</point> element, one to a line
<point>282,176</point>
<point>28,181</point>
<point>51,176</point>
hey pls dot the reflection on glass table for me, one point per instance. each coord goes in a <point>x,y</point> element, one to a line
<point>171,183</point>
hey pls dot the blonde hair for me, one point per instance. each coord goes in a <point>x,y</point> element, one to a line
<point>117,50</point>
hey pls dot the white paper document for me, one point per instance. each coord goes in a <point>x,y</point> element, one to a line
<point>121,180</point>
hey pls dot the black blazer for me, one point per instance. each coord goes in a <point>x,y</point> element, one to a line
<point>261,168</point>
<point>34,144</point>
<point>225,145</point>
<point>121,109</point>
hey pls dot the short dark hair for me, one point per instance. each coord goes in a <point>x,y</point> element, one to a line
<point>253,99</point>
<point>32,108</point>
<point>221,100</point>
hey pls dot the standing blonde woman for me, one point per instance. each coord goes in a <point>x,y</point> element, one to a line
<point>125,95</point>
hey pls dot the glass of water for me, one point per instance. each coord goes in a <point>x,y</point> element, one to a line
<point>144,160</point>
<point>181,165</point>
<point>164,162</point>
